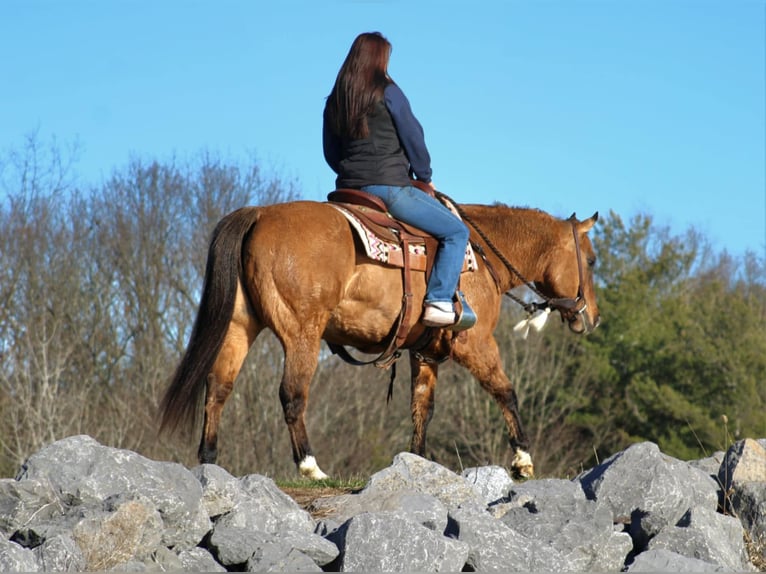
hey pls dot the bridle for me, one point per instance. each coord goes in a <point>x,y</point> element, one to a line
<point>569,308</point>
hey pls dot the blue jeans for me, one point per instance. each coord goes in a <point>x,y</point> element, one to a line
<point>419,209</point>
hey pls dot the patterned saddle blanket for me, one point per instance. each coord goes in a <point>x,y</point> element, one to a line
<point>378,231</point>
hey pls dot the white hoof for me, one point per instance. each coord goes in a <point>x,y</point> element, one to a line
<point>309,468</point>
<point>522,464</point>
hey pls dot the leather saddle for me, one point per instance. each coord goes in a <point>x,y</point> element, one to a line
<point>394,243</point>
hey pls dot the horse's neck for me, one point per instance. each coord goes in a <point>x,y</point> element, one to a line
<point>523,236</point>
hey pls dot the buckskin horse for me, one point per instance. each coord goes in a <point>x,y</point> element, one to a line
<point>295,268</point>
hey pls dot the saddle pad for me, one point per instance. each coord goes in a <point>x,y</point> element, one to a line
<point>384,251</point>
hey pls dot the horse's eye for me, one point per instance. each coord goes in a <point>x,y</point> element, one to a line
<point>591,262</point>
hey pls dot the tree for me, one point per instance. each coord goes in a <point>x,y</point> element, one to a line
<point>668,365</point>
<point>99,289</point>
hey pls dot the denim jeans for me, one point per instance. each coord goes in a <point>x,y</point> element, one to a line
<point>411,205</point>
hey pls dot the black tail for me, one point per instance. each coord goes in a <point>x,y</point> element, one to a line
<point>180,405</point>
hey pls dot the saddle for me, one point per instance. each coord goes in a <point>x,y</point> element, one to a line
<point>392,242</point>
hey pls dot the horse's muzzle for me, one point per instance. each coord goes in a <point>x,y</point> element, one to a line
<point>581,324</point>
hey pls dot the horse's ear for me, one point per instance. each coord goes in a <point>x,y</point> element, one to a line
<point>587,224</point>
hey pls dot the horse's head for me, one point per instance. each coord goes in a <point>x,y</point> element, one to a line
<point>568,277</point>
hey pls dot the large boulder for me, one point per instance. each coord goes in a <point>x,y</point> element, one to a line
<point>84,473</point>
<point>648,490</point>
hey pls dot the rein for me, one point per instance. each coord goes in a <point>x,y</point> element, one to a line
<point>566,306</point>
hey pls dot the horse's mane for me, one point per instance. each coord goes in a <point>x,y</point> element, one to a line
<point>511,220</point>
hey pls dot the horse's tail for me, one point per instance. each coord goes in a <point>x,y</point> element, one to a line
<point>180,405</point>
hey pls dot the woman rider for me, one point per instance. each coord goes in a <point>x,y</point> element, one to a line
<point>372,141</point>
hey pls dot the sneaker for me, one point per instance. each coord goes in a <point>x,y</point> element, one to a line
<point>439,315</point>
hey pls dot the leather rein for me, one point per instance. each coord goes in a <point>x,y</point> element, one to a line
<point>569,308</point>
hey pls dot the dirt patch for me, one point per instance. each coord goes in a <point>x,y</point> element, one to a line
<point>305,496</point>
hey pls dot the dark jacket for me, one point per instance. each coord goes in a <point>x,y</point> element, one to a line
<point>395,143</point>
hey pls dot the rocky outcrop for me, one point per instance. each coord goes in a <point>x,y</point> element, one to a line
<point>77,505</point>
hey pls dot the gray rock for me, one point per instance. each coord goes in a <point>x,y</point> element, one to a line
<point>81,471</point>
<point>492,482</point>
<point>412,484</point>
<point>706,535</point>
<point>133,532</point>
<point>556,513</point>
<point>292,552</point>
<point>649,489</point>
<point>199,560</point>
<point>263,507</point>
<point>60,554</point>
<point>321,550</point>
<point>411,472</point>
<point>710,464</point>
<point>14,558</point>
<point>220,490</point>
<point>393,542</point>
<point>237,546</point>
<point>25,501</point>
<point>424,508</point>
<point>494,547</point>
<point>745,461</point>
<point>544,494</point>
<point>748,503</point>
<point>77,505</point>
<point>233,545</point>
<point>662,560</point>
<point>275,557</point>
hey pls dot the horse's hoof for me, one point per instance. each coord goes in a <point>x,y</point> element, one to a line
<point>309,468</point>
<point>522,466</point>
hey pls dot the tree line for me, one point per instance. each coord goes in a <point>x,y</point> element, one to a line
<point>99,286</point>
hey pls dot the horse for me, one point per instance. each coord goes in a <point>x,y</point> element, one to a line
<point>294,268</point>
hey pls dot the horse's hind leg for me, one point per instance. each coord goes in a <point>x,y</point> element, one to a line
<point>487,367</point>
<point>422,402</point>
<point>301,359</point>
<point>240,335</point>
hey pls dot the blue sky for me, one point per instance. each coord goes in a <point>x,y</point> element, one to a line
<point>567,105</point>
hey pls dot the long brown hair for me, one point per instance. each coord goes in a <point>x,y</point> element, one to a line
<point>359,85</point>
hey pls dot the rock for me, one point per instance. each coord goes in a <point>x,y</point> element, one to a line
<point>556,512</point>
<point>393,542</point>
<point>648,489</point>
<point>411,472</point>
<point>708,536</point>
<point>23,501</point>
<point>274,557</point>
<point>83,472</point>
<point>14,558</point>
<point>748,503</point>
<point>493,546</point>
<point>77,505</point>
<point>492,482</point>
<point>263,507</point>
<point>745,461</point>
<point>710,464</point>
<point>132,532</point>
<point>424,508</point>
<point>60,554</point>
<point>662,560</point>
<point>220,490</point>
<point>199,560</point>
<point>411,484</point>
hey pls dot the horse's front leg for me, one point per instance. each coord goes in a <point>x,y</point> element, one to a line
<point>422,401</point>
<point>482,359</point>
<point>301,359</point>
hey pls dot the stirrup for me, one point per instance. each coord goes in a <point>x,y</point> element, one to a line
<point>466,318</point>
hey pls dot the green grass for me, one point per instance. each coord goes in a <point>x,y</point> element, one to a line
<point>352,483</point>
